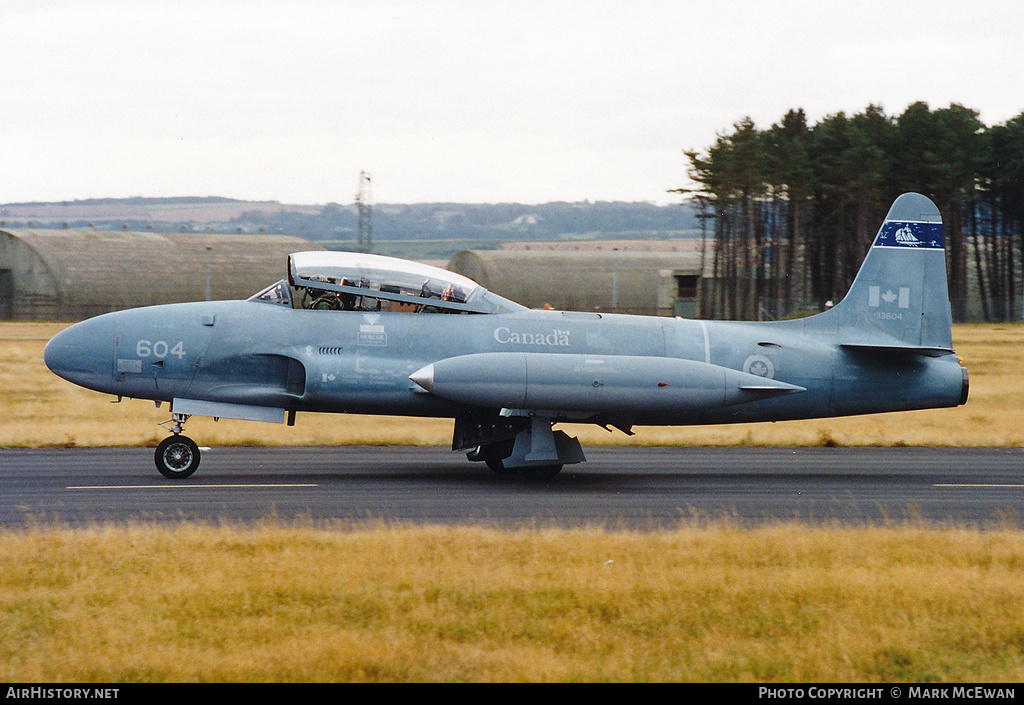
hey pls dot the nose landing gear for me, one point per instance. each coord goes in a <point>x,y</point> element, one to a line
<point>177,457</point>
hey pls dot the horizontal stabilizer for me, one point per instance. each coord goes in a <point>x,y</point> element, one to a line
<point>900,349</point>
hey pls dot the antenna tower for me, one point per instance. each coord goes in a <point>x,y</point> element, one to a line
<point>365,210</point>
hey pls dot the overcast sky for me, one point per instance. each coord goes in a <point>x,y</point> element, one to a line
<point>444,100</point>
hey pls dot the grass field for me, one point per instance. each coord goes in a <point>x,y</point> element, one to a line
<point>336,602</point>
<point>40,409</point>
<point>272,603</point>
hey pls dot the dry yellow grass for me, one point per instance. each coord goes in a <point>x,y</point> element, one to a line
<point>276,603</point>
<point>40,409</point>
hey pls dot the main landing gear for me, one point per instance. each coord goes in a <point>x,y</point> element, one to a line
<point>495,455</point>
<point>523,446</point>
<point>177,457</point>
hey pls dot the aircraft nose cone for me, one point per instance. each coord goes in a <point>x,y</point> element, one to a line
<point>62,353</point>
<point>82,353</point>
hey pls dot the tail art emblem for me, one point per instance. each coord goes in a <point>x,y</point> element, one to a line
<point>905,236</point>
<point>910,234</point>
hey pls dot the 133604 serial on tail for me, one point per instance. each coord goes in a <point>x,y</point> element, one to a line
<point>365,334</point>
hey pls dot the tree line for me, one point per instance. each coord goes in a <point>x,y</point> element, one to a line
<point>790,211</point>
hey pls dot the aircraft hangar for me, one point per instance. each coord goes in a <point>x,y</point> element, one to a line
<point>639,282</point>
<point>67,275</point>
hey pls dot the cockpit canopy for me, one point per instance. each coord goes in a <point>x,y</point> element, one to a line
<point>356,281</point>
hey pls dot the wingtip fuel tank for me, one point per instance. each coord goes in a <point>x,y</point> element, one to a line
<point>623,384</point>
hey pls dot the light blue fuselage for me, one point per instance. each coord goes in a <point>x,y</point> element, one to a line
<point>254,353</point>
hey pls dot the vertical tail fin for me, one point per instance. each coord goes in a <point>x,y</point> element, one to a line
<point>900,298</point>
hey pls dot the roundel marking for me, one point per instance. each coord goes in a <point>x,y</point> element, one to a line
<point>760,366</point>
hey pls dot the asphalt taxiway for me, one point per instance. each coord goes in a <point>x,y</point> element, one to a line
<point>619,487</point>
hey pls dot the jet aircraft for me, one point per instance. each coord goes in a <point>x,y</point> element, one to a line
<point>366,334</point>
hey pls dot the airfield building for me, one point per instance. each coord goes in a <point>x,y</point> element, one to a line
<point>73,274</point>
<point>604,281</point>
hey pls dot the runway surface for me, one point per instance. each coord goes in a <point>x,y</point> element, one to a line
<point>617,488</point>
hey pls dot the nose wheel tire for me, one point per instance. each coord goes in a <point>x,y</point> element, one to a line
<point>177,457</point>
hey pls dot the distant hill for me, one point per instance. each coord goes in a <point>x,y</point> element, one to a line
<point>335,223</point>
<point>134,201</point>
<point>138,213</point>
